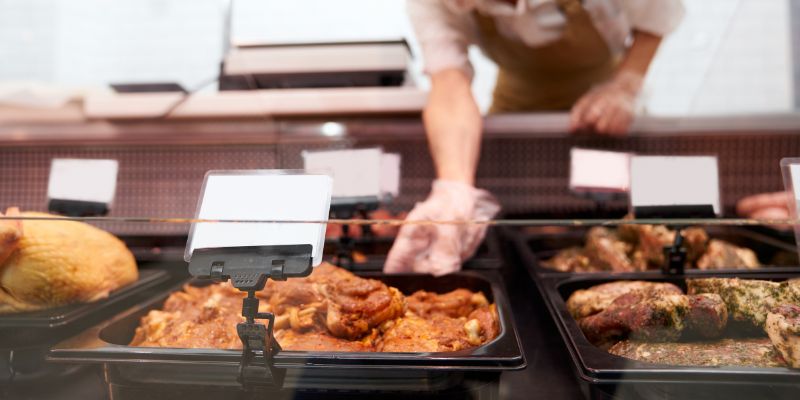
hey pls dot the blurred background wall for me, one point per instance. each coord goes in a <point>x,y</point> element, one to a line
<point>728,56</point>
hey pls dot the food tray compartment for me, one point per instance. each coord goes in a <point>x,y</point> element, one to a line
<point>108,343</point>
<point>608,373</point>
<point>775,254</point>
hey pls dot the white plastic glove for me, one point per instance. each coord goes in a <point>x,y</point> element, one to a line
<point>608,108</point>
<point>440,249</point>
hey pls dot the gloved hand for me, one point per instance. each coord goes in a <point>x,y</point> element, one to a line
<point>440,249</point>
<point>608,108</point>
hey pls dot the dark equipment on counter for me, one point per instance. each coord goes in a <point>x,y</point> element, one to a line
<point>347,208</point>
<point>248,268</point>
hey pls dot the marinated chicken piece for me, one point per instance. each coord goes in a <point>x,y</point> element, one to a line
<point>708,316</point>
<point>744,352</point>
<point>356,305</point>
<point>783,328</point>
<point>483,325</point>
<point>323,312</point>
<point>349,306</point>
<point>748,300</point>
<point>638,315</point>
<point>45,264</point>
<point>412,334</point>
<point>585,302</point>
<point>198,317</point>
<point>320,341</point>
<point>650,240</point>
<point>606,251</point>
<point>458,303</point>
<point>721,254</point>
<point>572,259</point>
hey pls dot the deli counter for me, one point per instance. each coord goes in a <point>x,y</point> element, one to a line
<point>566,298</point>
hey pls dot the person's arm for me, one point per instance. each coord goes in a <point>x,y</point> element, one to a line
<point>453,124</point>
<point>610,108</point>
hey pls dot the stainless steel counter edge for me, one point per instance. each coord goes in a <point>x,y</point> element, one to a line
<point>322,128</point>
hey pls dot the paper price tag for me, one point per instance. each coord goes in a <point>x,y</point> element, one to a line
<point>599,171</point>
<point>357,173</point>
<point>269,195</point>
<point>390,175</point>
<point>673,182</point>
<point>83,180</point>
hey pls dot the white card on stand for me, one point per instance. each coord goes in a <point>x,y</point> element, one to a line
<point>674,181</point>
<point>262,195</point>
<point>390,175</point>
<point>790,167</point>
<point>597,170</point>
<point>355,173</point>
<point>83,180</point>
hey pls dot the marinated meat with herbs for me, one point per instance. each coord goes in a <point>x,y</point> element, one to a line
<point>783,328</point>
<point>745,352</point>
<point>606,251</point>
<point>708,316</point>
<point>330,310</point>
<point>458,303</point>
<point>748,300</point>
<point>722,255</point>
<point>639,316</point>
<point>641,247</point>
<point>656,317</point>
<point>585,302</point>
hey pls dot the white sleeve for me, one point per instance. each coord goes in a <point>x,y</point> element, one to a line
<point>443,34</point>
<point>658,17</point>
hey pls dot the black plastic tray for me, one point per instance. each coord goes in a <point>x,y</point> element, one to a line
<point>107,343</point>
<point>774,254</point>
<point>608,373</point>
<point>35,328</point>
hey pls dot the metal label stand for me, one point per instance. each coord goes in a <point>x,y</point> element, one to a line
<point>675,255</point>
<point>249,268</point>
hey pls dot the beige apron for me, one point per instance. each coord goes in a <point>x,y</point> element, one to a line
<point>549,77</point>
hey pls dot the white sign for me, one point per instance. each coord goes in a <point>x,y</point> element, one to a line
<point>263,195</point>
<point>670,181</point>
<point>83,180</point>
<point>390,175</point>
<point>790,167</point>
<point>357,172</point>
<point>595,170</point>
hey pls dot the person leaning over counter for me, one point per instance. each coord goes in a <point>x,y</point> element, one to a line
<point>589,56</point>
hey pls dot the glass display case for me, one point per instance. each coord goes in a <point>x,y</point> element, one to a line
<point>567,295</point>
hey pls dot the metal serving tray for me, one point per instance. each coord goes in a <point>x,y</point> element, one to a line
<point>775,254</point>
<point>614,376</point>
<point>107,343</point>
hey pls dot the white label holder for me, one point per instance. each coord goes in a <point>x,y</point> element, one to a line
<point>790,168</point>
<point>262,195</point>
<point>81,187</point>
<point>675,187</point>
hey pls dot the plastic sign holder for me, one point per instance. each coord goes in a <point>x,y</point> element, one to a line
<point>674,187</point>
<point>362,180</point>
<point>81,187</point>
<point>250,253</point>
<point>599,175</point>
<point>790,168</point>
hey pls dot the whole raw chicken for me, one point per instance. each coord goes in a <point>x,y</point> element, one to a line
<point>45,264</point>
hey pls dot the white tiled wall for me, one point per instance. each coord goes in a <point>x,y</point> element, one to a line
<point>728,56</point>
